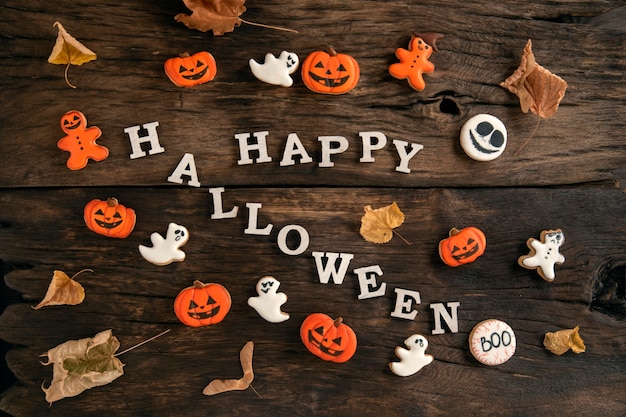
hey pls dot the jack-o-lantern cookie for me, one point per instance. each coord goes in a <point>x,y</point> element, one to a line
<point>80,141</point>
<point>328,339</point>
<point>109,218</point>
<point>202,304</point>
<point>329,72</point>
<point>462,246</point>
<point>190,70</point>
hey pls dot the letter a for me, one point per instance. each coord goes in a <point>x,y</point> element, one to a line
<point>186,166</point>
<point>136,141</point>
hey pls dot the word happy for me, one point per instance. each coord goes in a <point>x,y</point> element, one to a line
<point>330,266</point>
<point>253,149</point>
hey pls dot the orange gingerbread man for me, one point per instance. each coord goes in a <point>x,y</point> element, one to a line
<point>80,141</point>
<point>414,61</point>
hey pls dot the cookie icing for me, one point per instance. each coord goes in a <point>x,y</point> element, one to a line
<point>413,359</point>
<point>166,250</point>
<point>276,71</point>
<point>544,254</point>
<point>492,342</point>
<point>269,301</point>
<point>483,137</point>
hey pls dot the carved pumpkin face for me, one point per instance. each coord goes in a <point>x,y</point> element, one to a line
<point>187,71</point>
<point>330,72</point>
<point>202,304</point>
<point>328,339</point>
<point>463,246</point>
<point>72,120</point>
<point>109,218</point>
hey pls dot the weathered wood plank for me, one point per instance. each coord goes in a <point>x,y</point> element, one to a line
<point>135,299</point>
<point>126,86</point>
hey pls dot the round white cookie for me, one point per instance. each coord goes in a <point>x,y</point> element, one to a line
<point>483,137</point>
<point>492,342</point>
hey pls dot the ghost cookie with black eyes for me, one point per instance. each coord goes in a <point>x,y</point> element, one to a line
<point>166,250</point>
<point>544,253</point>
<point>483,137</point>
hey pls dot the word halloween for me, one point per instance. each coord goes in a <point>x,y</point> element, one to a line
<point>332,266</point>
<point>253,149</point>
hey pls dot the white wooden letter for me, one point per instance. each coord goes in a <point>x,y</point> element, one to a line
<point>186,166</point>
<point>367,282</point>
<point>282,239</point>
<point>330,269</point>
<point>404,156</point>
<point>253,216</point>
<point>404,304</point>
<point>328,150</point>
<point>439,311</point>
<point>136,141</point>
<point>218,207</point>
<point>293,147</point>
<point>369,146</point>
<point>260,146</point>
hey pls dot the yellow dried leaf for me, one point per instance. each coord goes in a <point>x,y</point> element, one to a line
<point>218,386</point>
<point>377,224</point>
<point>68,51</point>
<point>63,290</point>
<point>561,341</point>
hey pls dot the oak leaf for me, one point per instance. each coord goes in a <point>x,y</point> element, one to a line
<point>82,364</point>
<point>377,224</point>
<point>63,290</point>
<point>218,386</point>
<point>67,50</point>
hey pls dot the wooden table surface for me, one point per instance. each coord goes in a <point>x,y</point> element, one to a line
<point>567,177</point>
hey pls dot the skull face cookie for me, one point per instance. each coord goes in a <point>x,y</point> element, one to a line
<point>544,254</point>
<point>483,137</point>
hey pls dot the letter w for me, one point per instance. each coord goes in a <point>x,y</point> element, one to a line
<point>325,272</point>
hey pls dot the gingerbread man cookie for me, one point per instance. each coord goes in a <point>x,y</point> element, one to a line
<point>414,61</point>
<point>80,141</point>
<point>413,359</point>
<point>544,254</point>
<point>268,302</point>
<point>165,251</point>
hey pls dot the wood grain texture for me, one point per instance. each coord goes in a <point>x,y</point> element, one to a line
<point>567,177</point>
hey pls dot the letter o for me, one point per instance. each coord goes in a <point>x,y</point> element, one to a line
<point>282,239</point>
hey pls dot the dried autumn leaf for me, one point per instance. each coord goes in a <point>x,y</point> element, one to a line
<point>63,290</point>
<point>67,50</point>
<point>377,224</point>
<point>561,341</point>
<point>539,90</point>
<point>82,364</point>
<point>218,386</point>
<point>220,16</point>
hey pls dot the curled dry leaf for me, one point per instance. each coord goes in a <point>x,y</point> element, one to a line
<point>377,224</point>
<point>82,364</point>
<point>63,290</point>
<point>220,16</point>
<point>218,386</point>
<point>561,341</point>
<point>68,51</point>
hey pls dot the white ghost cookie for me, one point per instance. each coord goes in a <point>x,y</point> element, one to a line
<point>276,71</point>
<point>268,302</point>
<point>544,254</point>
<point>412,359</point>
<point>165,251</point>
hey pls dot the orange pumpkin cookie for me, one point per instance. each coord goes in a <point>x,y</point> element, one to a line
<point>462,246</point>
<point>330,72</point>
<point>109,218</point>
<point>189,70</point>
<point>202,304</point>
<point>414,61</point>
<point>80,141</point>
<point>329,339</point>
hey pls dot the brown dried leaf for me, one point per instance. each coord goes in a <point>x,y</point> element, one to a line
<point>561,341</point>
<point>67,50</point>
<point>377,225</point>
<point>220,16</point>
<point>63,290</point>
<point>218,386</point>
<point>539,90</point>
